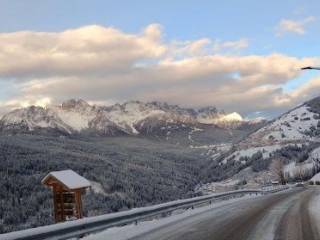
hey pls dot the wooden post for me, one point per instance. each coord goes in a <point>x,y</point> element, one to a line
<point>61,206</point>
<point>55,204</point>
<point>78,204</point>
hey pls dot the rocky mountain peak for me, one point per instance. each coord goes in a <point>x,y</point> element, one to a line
<point>75,104</point>
<point>209,109</point>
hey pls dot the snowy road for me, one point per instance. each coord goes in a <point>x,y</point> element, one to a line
<point>290,215</point>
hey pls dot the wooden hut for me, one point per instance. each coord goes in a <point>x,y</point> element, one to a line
<point>67,187</point>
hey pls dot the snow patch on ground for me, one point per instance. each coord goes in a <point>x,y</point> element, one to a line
<point>265,150</point>
<point>212,187</point>
<point>193,131</point>
<point>97,188</point>
<point>213,150</point>
<point>222,146</point>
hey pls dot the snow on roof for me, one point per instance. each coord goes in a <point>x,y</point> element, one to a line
<point>69,178</point>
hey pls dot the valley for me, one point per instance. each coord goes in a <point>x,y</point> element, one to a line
<point>137,154</point>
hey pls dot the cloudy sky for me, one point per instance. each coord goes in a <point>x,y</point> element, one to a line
<point>240,56</point>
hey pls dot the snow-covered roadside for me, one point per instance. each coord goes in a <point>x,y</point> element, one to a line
<point>130,231</point>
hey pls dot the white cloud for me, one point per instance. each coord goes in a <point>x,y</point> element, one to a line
<point>205,47</point>
<point>307,90</point>
<point>233,45</point>
<point>103,64</point>
<point>86,50</point>
<point>293,26</point>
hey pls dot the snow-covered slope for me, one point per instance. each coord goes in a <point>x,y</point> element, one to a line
<point>75,113</point>
<point>296,126</point>
<point>292,126</point>
<point>293,138</point>
<point>126,116</point>
<point>134,117</point>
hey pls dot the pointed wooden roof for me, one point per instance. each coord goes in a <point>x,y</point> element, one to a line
<point>68,178</point>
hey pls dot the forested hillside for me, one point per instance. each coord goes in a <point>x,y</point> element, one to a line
<point>127,172</point>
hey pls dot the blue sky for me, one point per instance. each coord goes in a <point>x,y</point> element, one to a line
<point>182,19</point>
<point>258,22</point>
<point>225,20</point>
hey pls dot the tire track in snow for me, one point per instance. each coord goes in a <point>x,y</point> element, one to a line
<point>296,223</point>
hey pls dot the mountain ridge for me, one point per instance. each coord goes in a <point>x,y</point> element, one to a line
<point>75,116</point>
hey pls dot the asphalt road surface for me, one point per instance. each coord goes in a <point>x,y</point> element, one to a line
<point>284,216</point>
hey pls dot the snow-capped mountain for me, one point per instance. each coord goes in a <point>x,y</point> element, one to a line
<point>32,118</point>
<point>299,125</point>
<point>294,137</point>
<point>133,118</point>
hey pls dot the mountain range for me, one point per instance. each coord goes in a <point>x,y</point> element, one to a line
<point>137,153</point>
<point>130,118</point>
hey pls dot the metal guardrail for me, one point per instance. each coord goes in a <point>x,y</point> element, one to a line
<point>84,226</point>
